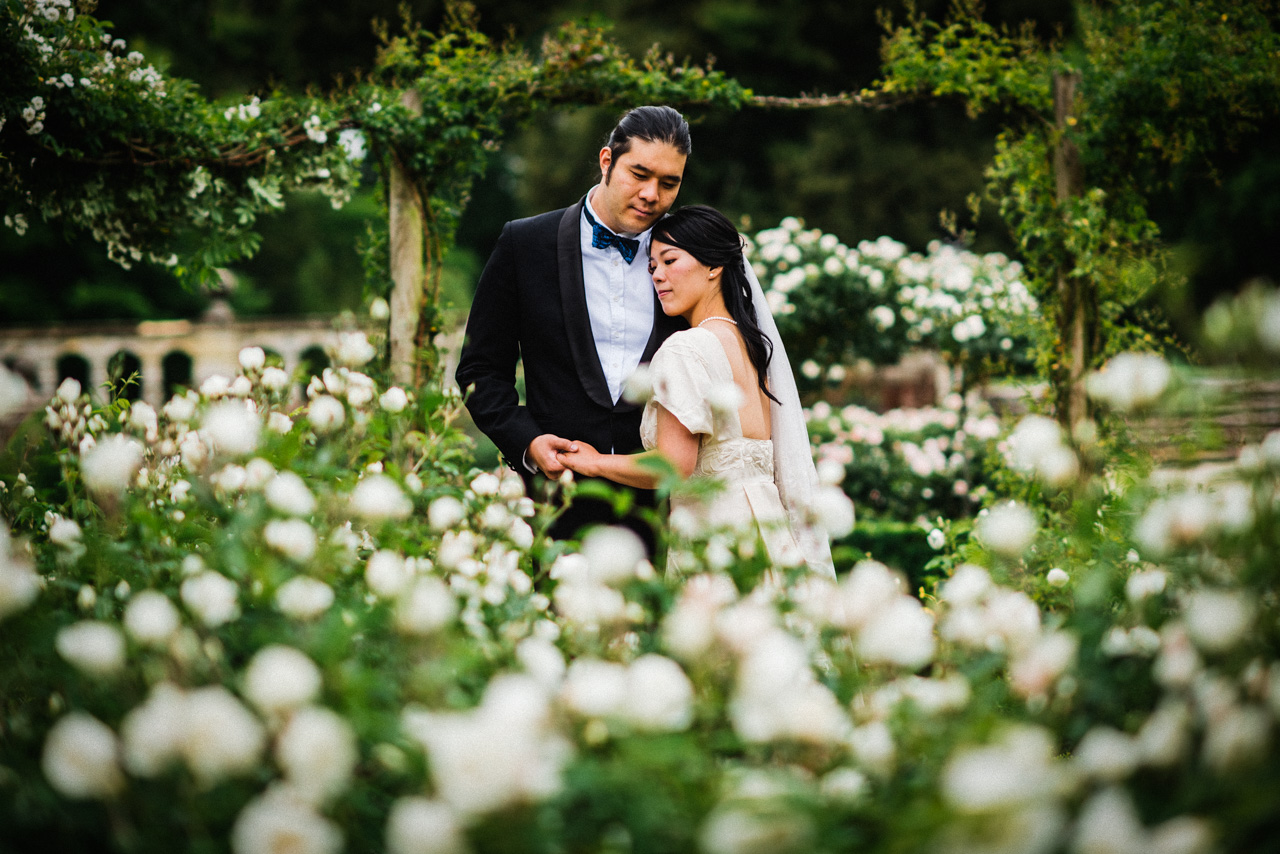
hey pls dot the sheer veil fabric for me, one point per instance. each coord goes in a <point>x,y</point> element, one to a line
<point>793,469</point>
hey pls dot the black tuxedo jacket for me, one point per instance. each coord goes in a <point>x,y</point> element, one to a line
<point>530,304</point>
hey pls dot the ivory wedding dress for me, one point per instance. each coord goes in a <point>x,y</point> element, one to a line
<point>690,373</point>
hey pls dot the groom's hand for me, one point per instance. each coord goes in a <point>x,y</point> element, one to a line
<point>543,450</point>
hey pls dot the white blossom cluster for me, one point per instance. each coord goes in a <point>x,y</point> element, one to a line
<point>462,691</point>
<point>947,297</point>
<point>244,112</point>
<point>931,452</point>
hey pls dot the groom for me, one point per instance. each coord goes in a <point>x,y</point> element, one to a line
<point>568,293</point>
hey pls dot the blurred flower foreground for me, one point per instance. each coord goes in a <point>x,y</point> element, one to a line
<point>233,625</point>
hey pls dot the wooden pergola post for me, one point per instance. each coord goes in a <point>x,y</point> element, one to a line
<point>1077,319</point>
<point>408,266</point>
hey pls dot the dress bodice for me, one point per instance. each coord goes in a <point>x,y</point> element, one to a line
<point>693,380</point>
<point>737,458</point>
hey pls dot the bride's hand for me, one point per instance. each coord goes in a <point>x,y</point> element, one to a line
<point>584,461</point>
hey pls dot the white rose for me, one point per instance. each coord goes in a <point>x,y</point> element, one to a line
<point>151,618</point>
<point>1164,737</point>
<point>1057,577</point>
<point>1017,769</point>
<point>388,573</point>
<point>394,400</point>
<point>725,398</point>
<point>612,553</point>
<point>1007,529</point>
<point>231,427</point>
<point>275,379</point>
<point>966,586</point>
<point>304,598</point>
<point>1218,620</point>
<point>19,585</point>
<point>486,484</point>
<point>353,349</point>
<point>109,467</point>
<point>1129,380</point>
<point>901,634</point>
<point>181,408</point>
<point>326,414</point>
<point>257,473</point>
<point>834,511</point>
<point>280,678</point>
<point>92,647</point>
<point>195,453</point>
<point>222,738</point>
<point>1035,668</point>
<point>1238,738</point>
<point>213,597</point>
<point>65,533</point>
<point>638,387</point>
<point>1106,754</point>
<point>253,359</point>
<point>594,688</point>
<point>378,498</point>
<point>142,416</point>
<point>542,660</point>
<point>293,538</point>
<point>445,512</point>
<point>153,732</point>
<point>287,493</point>
<point>426,607</point>
<point>1144,583</point>
<point>659,696</point>
<point>317,753</point>
<point>359,393</point>
<point>81,758</point>
<point>68,391</point>
<point>279,822</point>
<point>417,825</point>
<point>1109,822</point>
<point>279,423</point>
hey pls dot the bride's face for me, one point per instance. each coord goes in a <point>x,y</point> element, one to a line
<point>682,282</point>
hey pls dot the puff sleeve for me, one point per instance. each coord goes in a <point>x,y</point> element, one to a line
<point>685,377</point>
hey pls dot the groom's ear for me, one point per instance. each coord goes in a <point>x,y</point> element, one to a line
<point>606,163</point>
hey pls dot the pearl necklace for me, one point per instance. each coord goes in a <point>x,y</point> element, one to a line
<point>719,317</point>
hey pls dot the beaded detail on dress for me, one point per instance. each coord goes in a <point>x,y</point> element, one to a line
<point>749,457</point>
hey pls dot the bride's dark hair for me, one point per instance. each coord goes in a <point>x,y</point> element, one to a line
<point>708,236</point>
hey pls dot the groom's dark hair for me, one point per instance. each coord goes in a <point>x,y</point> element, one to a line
<point>652,124</point>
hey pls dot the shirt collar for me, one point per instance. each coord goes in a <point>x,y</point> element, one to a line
<point>641,236</point>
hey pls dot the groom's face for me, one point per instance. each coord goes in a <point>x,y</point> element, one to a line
<point>639,186</point>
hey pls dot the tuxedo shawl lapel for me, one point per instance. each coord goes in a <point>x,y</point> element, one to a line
<point>573,296</point>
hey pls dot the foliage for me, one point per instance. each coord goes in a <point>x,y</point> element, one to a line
<point>1164,90</point>
<point>154,171</point>
<point>835,305</point>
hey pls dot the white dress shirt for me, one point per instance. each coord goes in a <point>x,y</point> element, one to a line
<point>619,303</point>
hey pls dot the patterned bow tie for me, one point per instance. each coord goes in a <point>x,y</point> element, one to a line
<point>603,238</point>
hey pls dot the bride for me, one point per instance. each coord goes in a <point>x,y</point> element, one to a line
<point>724,401</point>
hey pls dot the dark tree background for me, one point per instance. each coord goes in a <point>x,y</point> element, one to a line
<point>857,173</point>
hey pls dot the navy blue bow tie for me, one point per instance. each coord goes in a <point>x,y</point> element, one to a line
<point>603,238</point>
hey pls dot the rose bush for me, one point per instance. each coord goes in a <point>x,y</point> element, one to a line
<point>435,675</point>
<point>836,305</point>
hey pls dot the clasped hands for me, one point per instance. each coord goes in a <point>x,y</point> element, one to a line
<point>554,455</point>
